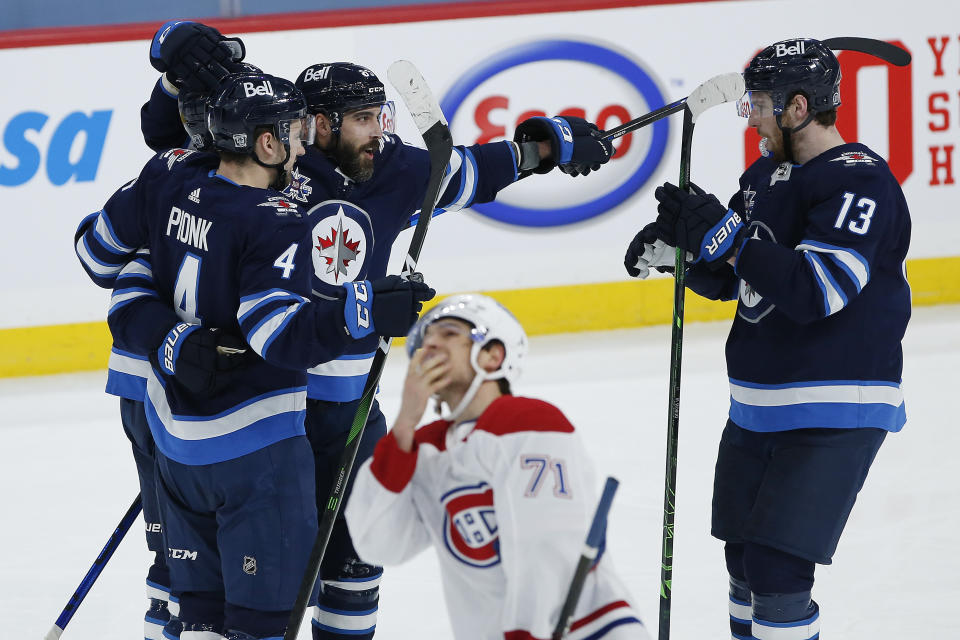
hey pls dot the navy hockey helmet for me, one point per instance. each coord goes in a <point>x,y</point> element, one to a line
<point>788,66</point>
<point>338,87</point>
<point>243,102</point>
<point>193,114</point>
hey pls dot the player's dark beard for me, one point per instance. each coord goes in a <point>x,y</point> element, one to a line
<point>354,163</point>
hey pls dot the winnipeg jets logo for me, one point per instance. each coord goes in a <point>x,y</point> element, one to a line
<point>748,196</point>
<point>281,206</point>
<point>470,526</point>
<point>339,243</point>
<point>299,188</point>
<point>753,307</point>
<point>850,158</point>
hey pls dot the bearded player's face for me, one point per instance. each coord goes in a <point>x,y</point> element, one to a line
<point>360,135</point>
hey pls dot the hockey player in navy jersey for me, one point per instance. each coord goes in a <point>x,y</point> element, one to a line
<point>813,247</point>
<point>236,469</point>
<point>191,56</point>
<point>361,186</point>
<point>500,486</point>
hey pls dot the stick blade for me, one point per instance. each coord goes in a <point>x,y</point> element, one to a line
<point>715,91</point>
<point>416,95</point>
<point>877,48</point>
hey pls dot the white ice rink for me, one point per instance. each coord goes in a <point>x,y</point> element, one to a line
<point>67,476</point>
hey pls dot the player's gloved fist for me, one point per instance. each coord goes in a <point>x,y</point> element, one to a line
<point>388,306</point>
<point>194,55</point>
<point>699,223</point>
<point>575,144</point>
<point>196,356</point>
<point>646,250</point>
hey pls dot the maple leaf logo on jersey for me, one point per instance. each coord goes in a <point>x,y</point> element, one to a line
<point>281,206</point>
<point>175,155</point>
<point>299,187</point>
<point>338,250</point>
<point>850,158</point>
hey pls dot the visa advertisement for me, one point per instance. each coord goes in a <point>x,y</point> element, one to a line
<point>70,135</point>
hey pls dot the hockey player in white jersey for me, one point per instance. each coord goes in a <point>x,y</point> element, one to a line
<point>501,487</point>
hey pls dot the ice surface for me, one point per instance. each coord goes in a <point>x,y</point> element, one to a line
<point>67,477</point>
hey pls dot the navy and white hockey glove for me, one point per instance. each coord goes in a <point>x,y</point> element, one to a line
<point>194,55</point>
<point>698,223</point>
<point>646,250</point>
<point>388,306</point>
<point>576,146</point>
<point>196,356</point>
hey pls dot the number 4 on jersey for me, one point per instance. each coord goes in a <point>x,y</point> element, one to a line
<point>285,261</point>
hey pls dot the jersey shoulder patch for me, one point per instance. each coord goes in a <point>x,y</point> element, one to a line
<point>512,414</point>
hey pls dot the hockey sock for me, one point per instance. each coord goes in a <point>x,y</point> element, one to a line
<point>741,612</point>
<point>785,616</point>
<point>158,613</point>
<point>254,624</point>
<point>201,614</point>
<point>347,609</point>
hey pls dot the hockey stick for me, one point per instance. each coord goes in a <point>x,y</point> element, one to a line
<point>433,127</point>
<point>94,572</point>
<point>877,48</point>
<point>644,120</point>
<point>590,550</point>
<point>713,92</point>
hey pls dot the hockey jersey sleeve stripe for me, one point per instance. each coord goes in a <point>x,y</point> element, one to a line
<point>345,366</point>
<point>266,331</point>
<point>453,167</point>
<point>104,233</point>
<point>123,297</point>
<point>391,466</point>
<point>139,269</point>
<point>95,266</point>
<point>833,297</point>
<point>249,304</point>
<point>468,182</point>
<point>816,391</point>
<point>852,263</point>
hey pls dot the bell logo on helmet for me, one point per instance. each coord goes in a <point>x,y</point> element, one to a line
<point>313,73</point>
<point>251,89</point>
<point>796,49</point>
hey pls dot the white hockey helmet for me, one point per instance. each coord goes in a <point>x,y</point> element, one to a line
<point>490,320</point>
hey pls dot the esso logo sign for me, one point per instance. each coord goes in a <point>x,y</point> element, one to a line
<point>560,77</point>
<point>71,148</point>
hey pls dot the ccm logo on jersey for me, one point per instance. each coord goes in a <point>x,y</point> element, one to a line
<point>470,526</point>
<point>796,49</point>
<point>191,229</point>
<point>182,554</point>
<point>251,89</point>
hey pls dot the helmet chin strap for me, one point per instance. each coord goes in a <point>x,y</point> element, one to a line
<point>283,179</point>
<point>786,131</point>
<point>479,378</point>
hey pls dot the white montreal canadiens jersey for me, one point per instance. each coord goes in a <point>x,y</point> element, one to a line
<point>506,501</point>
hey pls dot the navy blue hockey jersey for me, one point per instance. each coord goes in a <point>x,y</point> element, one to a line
<point>103,253</point>
<point>354,226</point>
<point>823,299</point>
<point>236,258</point>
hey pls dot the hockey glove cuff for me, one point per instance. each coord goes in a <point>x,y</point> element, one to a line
<point>357,310</point>
<point>697,222</point>
<point>195,356</point>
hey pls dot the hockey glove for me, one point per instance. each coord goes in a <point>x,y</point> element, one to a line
<point>576,146</point>
<point>195,56</point>
<point>196,356</point>
<point>388,306</point>
<point>647,250</point>
<point>698,223</point>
